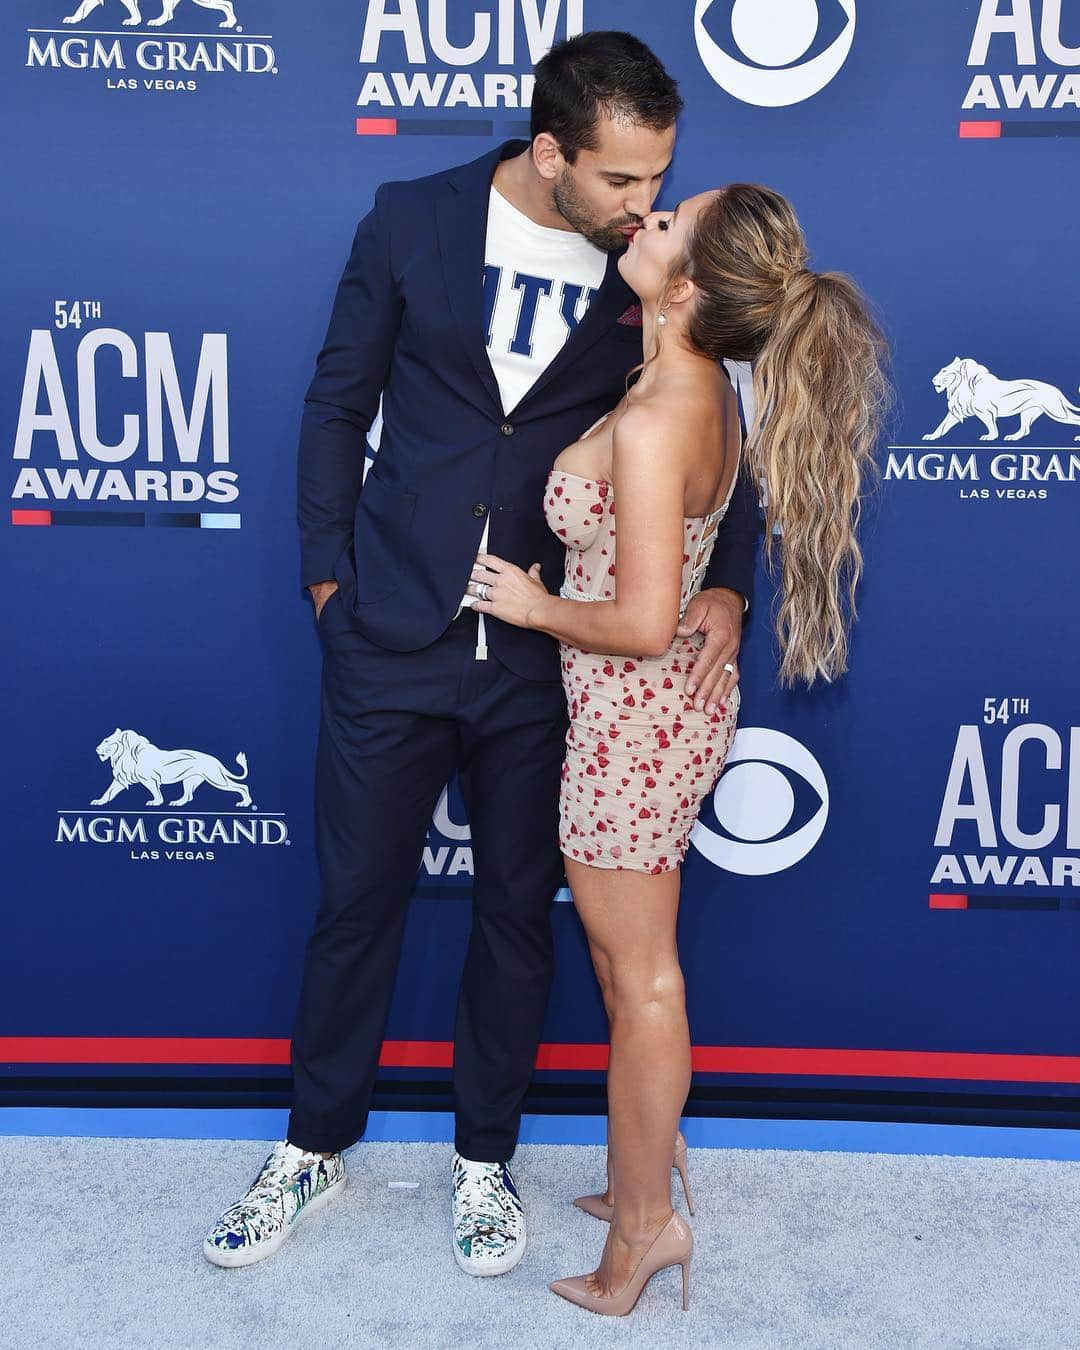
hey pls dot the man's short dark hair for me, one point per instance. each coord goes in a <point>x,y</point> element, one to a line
<point>596,75</point>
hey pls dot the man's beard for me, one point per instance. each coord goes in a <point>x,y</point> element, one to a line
<point>574,211</point>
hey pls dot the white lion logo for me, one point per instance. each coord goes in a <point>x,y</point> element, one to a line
<point>972,391</point>
<point>168,9</point>
<point>135,760</point>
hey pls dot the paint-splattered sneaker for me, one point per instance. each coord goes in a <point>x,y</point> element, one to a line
<point>489,1218</point>
<point>291,1184</point>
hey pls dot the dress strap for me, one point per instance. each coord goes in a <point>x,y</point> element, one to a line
<point>591,429</point>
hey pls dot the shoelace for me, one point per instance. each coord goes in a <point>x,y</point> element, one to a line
<point>280,1172</point>
<point>267,1192</point>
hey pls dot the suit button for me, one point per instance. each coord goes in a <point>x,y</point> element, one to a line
<point>479,509</point>
<point>507,428</point>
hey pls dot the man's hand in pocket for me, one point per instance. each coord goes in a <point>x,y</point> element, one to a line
<point>321,591</point>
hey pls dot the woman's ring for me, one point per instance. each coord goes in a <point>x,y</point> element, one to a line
<point>482,591</point>
<point>729,668</point>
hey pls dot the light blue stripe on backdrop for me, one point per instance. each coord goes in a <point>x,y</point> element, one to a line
<point>845,1136</point>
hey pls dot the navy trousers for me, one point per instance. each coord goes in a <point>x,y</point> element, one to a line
<point>394,728</point>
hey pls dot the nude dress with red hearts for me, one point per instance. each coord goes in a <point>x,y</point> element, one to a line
<point>639,758</point>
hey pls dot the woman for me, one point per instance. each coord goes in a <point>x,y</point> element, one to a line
<point>722,276</point>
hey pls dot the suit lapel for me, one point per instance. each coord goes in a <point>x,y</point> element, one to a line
<point>461,222</point>
<point>612,299</point>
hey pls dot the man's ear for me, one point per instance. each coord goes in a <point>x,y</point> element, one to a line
<point>547,156</point>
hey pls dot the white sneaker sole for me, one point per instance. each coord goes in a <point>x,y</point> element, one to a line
<point>247,1256</point>
<point>499,1267</point>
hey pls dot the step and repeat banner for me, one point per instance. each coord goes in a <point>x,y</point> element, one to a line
<point>882,890</point>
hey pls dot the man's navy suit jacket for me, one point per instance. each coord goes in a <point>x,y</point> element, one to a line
<point>407,323</point>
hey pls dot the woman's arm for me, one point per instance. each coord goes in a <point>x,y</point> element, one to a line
<point>649,492</point>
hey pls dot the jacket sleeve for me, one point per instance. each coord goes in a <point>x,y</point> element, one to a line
<point>735,549</point>
<point>343,397</point>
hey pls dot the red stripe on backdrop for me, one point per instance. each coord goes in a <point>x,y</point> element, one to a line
<point>26,517</point>
<point>946,901</point>
<point>980,131</point>
<point>376,126</point>
<point>734,1059</point>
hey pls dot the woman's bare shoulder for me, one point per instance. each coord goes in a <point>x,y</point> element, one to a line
<point>681,415</point>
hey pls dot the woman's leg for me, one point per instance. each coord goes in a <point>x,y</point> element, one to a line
<point>602,966</point>
<point>629,919</point>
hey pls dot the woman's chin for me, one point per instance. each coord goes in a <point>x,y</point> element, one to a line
<point>626,271</point>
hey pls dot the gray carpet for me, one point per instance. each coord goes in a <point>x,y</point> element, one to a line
<point>100,1248</point>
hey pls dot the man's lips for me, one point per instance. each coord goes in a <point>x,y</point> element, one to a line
<point>629,231</point>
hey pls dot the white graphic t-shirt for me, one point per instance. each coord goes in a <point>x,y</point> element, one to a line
<point>538,285</point>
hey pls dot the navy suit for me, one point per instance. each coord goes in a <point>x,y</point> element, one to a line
<point>405,704</point>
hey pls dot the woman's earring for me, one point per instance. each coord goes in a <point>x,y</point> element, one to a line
<point>661,318</point>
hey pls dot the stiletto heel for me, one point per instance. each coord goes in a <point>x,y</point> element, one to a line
<point>598,1207</point>
<point>672,1246</point>
<point>680,1166</point>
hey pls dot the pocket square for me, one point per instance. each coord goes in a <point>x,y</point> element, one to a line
<point>631,316</point>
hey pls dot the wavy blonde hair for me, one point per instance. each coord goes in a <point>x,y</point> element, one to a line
<point>821,391</point>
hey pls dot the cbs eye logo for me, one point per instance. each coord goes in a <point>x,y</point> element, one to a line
<point>769,781</point>
<point>774,52</point>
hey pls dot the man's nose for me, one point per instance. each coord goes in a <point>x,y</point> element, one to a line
<point>639,201</point>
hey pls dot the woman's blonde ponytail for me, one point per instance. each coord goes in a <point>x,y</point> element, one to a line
<point>821,393</point>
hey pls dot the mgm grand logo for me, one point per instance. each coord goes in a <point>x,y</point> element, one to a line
<point>101,48</point>
<point>977,402</point>
<point>166,16</point>
<point>154,828</point>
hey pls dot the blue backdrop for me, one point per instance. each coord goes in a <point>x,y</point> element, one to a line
<point>882,891</point>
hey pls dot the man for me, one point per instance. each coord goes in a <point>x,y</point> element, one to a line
<point>485,306</point>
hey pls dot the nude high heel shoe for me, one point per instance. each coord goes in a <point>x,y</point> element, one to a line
<point>599,1209</point>
<point>672,1246</point>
